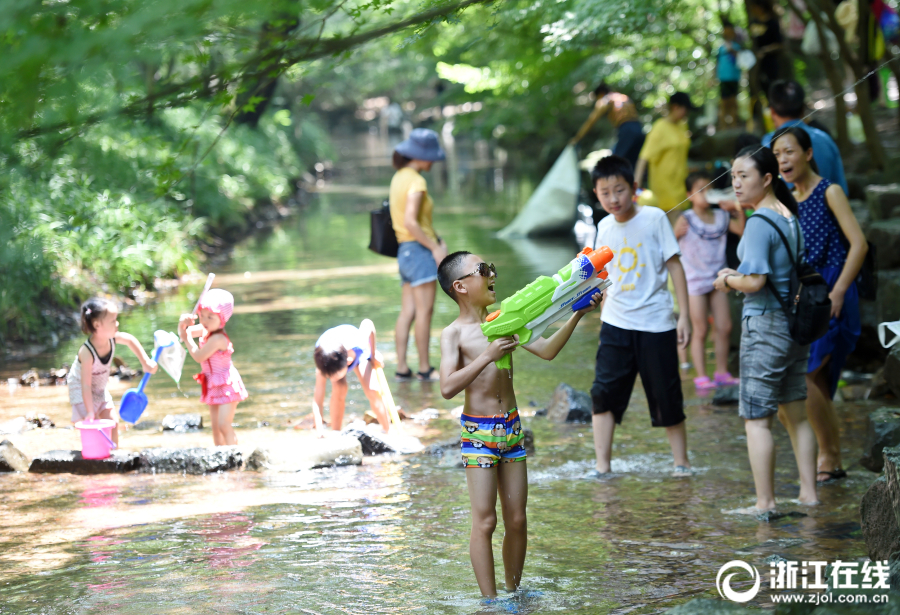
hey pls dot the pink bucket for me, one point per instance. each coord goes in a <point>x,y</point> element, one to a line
<point>96,438</point>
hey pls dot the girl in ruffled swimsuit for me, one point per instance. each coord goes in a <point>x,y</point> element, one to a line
<point>222,386</point>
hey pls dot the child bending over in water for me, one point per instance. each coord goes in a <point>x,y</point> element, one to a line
<point>88,378</point>
<point>222,386</point>
<point>702,234</point>
<point>340,350</point>
<point>492,436</point>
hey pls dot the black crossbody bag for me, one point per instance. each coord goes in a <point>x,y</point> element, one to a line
<point>382,238</point>
<point>808,307</point>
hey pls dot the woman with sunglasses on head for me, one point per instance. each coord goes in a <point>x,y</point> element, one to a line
<point>836,248</point>
<point>421,250</point>
<point>773,365</point>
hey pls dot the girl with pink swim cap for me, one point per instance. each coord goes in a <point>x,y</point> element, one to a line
<point>222,386</point>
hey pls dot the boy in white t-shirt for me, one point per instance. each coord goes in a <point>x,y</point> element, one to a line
<point>639,334</point>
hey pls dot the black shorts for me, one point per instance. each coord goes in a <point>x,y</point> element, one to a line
<point>729,89</point>
<point>622,355</point>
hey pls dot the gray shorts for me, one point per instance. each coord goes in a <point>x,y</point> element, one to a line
<point>417,265</point>
<point>102,409</point>
<point>773,366</point>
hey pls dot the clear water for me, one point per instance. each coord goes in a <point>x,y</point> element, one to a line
<point>391,536</point>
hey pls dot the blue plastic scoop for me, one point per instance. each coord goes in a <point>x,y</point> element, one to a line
<point>134,402</point>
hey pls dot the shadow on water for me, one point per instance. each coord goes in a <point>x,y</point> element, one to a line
<point>391,536</point>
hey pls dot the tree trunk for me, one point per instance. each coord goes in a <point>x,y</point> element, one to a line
<point>756,111</point>
<point>857,65</point>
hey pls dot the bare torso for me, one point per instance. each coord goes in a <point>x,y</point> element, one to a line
<point>492,391</point>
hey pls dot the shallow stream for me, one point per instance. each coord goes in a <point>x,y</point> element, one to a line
<point>390,536</point>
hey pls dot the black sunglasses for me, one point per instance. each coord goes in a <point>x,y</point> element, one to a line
<point>484,270</point>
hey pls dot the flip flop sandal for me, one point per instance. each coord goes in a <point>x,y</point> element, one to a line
<point>833,476</point>
<point>427,376</point>
<point>403,377</point>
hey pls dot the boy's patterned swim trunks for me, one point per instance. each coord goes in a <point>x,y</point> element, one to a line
<point>489,440</point>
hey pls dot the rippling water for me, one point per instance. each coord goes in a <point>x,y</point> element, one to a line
<point>391,536</point>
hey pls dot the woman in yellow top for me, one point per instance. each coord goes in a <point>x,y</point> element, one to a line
<point>665,151</point>
<point>421,250</point>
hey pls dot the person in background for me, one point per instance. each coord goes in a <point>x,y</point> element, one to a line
<point>623,115</point>
<point>701,233</point>
<point>766,33</point>
<point>788,106</point>
<point>665,153</point>
<point>341,350</point>
<point>836,248</point>
<point>420,248</point>
<point>729,76</point>
<point>773,365</point>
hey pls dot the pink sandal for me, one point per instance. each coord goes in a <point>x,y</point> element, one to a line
<point>724,379</point>
<point>704,384</point>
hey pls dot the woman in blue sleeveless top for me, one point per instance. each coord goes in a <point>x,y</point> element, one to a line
<point>836,248</point>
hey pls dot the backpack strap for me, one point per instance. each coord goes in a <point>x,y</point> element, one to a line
<point>787,246</point>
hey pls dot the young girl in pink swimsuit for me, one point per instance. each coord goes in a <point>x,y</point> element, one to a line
<point>221,382</point>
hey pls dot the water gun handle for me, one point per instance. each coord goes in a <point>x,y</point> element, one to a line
<point>505,362</point>
<point>585,300</point>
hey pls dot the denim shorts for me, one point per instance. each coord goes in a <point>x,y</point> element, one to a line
<point>773,365</point>
<point>417,265</point>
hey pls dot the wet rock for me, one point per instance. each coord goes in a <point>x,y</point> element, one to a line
<point>258,460</point>
<point>569,406</point>
<point>879,524</point>
<point>30,378</point>
<point>892,371</point>
<point>885,235</point>
<point>40,421</point>
<point>331,451</point>
<point>862,212</point>
<point>727,396</point>
<point>182,422</point>
<point>775,515</point>
<point>445,447</point>
<point>888,302</point>
<point>12,459</point>
<point>15,426</point>
<point>528,440</point>
<point>147,426</point>
<point>540,412</point>
<point>878,386</point>
<point>71,462</point>
<point>854,392</point>
<point>883,430</point>
<point>707,606</point>
<point>374,442</point>
<point>190,460</point>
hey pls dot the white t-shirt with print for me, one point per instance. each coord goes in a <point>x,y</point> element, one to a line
<point>639,297</point>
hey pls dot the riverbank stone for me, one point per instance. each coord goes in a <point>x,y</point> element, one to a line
<point>182,422</point>
<point>375,442</point>
<point>569,405</point>
<point>892,370</point>
<point>71,462</point>
<point>189,460</point>
<point>883,430</point>
<point>12,459</point>
<point>885,235</point>
<point>879,524</point>
<point>882,199</point>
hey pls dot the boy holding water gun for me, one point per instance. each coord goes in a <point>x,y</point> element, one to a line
<point>639,334</point>
<point>492,435</point>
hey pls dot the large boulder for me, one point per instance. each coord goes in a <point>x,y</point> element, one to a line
<point>885,235</point>
<point>11,458</point>
<point>879,524</point>
<point>570,406</point>
<point>376,442</point>
<point>71,462</point>
<point>182,422</point>
<point>883,430</point>
<point>892,370</point>
<point>892,476</point>
<point>882,200</point>
<point>190,460</point>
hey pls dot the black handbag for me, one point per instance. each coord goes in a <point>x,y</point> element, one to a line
<point>808,307</point>
<point>383,239</point>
